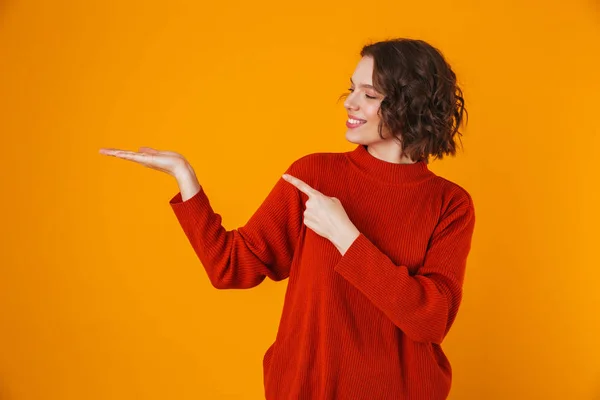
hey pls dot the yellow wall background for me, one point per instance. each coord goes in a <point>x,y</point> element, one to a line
<point>101,296</point>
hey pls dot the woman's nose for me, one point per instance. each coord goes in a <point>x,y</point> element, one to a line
<point>349,106</point>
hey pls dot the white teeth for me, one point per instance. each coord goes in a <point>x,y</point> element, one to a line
<point>355,121</point>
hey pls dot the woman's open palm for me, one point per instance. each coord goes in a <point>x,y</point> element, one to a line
<point>160,160</point>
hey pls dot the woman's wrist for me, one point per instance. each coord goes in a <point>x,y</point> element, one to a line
<point>187,182</point>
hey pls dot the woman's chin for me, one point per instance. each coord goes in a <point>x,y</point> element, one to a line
<point>352,137</point>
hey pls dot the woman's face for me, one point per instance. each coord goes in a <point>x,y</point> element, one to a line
<point>363,104</point>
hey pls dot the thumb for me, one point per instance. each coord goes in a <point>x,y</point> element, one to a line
<point>148,150</point>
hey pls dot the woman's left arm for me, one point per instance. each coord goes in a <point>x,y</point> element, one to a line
<point>423,305</point>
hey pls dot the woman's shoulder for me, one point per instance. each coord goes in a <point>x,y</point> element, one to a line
<point>320,156</point>
<point>316,162</point>
<point>315,169</point>
<point>454,194</point>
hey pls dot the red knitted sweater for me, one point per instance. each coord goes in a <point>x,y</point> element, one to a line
<point>365,325</point>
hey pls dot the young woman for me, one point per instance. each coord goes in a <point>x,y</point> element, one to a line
<point>374,244</point>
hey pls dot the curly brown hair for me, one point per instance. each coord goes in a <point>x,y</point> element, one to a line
<point>423,105</point>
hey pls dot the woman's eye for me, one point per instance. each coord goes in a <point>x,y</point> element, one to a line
<point>369,97</point>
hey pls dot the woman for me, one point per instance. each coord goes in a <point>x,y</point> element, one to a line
<point>374,244</point>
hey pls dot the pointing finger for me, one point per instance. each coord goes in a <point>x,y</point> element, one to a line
<point>301,185</point>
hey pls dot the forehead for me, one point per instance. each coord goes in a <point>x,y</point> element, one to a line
<point>363,72</point>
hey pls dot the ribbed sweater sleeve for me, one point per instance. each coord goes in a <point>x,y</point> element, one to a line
<point>423,305</point>
<point>241,258</point>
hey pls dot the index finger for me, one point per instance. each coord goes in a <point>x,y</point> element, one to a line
<point>301,185</point>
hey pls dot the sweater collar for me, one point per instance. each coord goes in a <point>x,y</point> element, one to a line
<point>385,171</point>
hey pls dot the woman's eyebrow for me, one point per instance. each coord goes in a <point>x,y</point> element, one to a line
<point>363,84</point>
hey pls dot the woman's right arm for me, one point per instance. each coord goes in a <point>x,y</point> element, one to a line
<point>241,258</point>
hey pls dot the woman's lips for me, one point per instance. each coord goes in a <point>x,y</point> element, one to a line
<point>352,125</point>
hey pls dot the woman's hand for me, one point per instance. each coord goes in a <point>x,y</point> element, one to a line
<point>165,161</point>
<point>326,216</point>
<point>170,162</point>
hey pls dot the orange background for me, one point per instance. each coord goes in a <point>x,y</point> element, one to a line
<point>102,297</point>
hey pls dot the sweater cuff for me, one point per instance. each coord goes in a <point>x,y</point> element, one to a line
<point>193,209</point>
<point>350,266</point>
